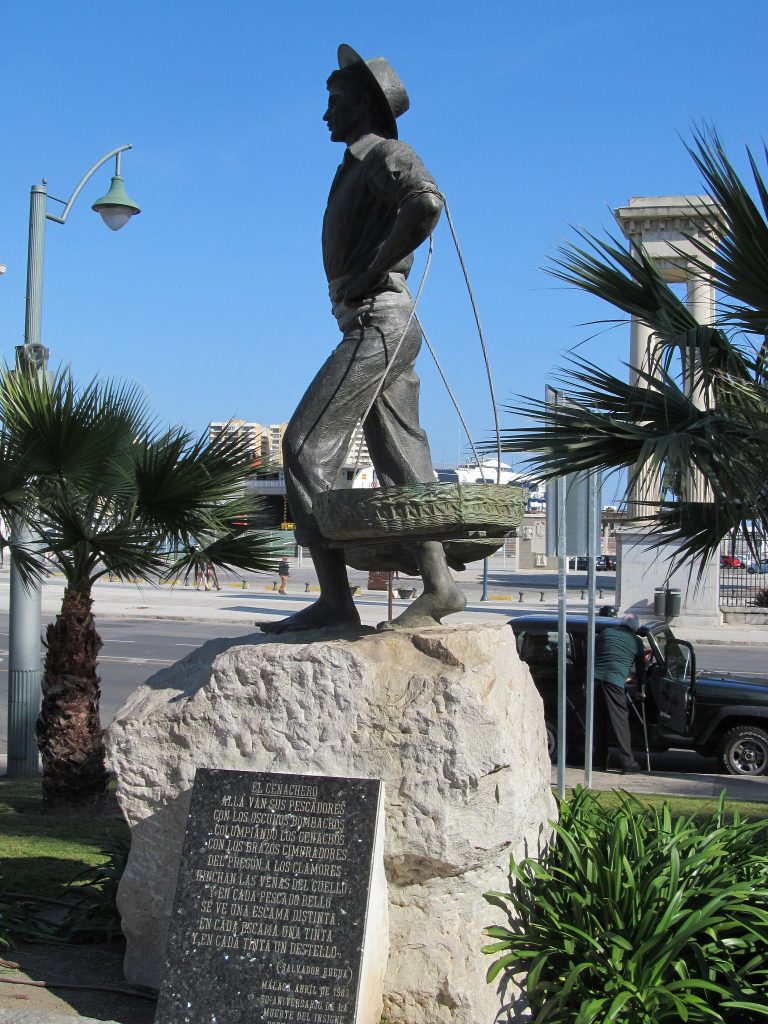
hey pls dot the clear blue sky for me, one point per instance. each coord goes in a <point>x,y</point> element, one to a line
<point>532,117</point>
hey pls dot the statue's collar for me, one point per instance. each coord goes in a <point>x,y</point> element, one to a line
<point>361,147</point>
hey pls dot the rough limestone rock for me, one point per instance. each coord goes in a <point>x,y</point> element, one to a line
<point>447,717</point>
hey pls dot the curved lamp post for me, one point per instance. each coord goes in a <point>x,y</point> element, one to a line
<point>24,628</point>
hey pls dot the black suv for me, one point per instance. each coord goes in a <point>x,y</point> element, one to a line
<point>711,714</point>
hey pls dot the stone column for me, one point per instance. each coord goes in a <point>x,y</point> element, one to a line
<point>667,228</point>
<point>645,492</point>
<point>700,300</point>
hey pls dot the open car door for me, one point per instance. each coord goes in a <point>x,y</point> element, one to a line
<point>673,680</point>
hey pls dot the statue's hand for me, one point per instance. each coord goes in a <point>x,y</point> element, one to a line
<point>363,286</point>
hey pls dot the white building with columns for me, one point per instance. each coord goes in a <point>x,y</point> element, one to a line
<point>664,227</point>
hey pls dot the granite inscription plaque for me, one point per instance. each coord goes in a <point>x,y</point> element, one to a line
<point>268,920</point>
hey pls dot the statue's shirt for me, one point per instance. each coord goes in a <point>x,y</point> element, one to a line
<point>375,178</point>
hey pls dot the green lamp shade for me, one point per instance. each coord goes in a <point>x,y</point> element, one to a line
<point>116,208</point>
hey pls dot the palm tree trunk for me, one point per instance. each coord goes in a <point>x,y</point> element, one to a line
<point>69,732</point>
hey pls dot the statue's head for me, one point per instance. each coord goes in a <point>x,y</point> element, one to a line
<point>365,95</point>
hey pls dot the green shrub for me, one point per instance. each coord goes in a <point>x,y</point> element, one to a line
<point>634,916</point>
<point>17,922</point>
<point>95,917</point>
<point>92,915</point>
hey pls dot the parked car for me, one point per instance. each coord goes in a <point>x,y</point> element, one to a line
<point>759,566</point>
<point>603,563</point>
<point>713,714</point>
<point>730,562</point>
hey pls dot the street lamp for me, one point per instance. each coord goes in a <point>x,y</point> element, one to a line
<point>25,621</point>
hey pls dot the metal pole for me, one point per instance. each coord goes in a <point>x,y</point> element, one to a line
<point>592,528</point>
<point>484,595</point>
<point>24,671</point>
<point>562,583</point>
<point>25,620</point>
<point>24,647</point>
<point>36,245</point>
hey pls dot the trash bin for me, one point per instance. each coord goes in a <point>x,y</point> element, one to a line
<point>660,601</point>
<point>674,603</point>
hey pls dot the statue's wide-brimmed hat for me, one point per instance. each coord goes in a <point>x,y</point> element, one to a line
<point>386,86</point>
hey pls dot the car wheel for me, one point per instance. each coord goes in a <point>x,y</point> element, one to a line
<point>751,571</point>
<point>551,742</point>
<point>744,751</point>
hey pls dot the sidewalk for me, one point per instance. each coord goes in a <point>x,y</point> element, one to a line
<point>700,785</point>
<point>258,600</point>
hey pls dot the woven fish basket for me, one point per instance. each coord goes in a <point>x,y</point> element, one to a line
<point>432,511</point>
<point>399,556</point>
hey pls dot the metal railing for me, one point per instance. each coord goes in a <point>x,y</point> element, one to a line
<point>743,578</point>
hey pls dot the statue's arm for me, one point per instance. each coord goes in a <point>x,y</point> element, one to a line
<point>415,221</point>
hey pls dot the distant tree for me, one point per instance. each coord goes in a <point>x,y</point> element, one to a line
<point>102,490</point>
<point>704,405</point>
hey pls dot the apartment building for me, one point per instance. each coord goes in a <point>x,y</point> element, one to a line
<point>265,440</point>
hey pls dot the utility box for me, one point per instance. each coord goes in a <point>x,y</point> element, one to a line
<point>378,580</point>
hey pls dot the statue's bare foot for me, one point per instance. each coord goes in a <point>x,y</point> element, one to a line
<point>320,615</point>
<point>429,609</point>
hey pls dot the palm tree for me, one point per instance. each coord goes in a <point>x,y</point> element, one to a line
<point>703,405</point>
<point>103,491</point>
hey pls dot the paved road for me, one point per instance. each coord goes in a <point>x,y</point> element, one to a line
<point>136,648</point>
<point>133,650</point>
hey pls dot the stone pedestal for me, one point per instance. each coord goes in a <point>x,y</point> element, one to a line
<point>448,718</point>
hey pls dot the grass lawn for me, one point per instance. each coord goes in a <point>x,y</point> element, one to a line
<point>685,806</point>
<point>40,853</point>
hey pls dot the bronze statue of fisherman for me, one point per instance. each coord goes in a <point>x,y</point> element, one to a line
<point>382,205</point>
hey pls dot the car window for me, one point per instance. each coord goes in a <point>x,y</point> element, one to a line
<point>540,648</point>
<point>677,660</point>
<point>662,636</point>
<point>676,657</point>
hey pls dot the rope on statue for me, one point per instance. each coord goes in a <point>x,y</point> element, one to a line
<point>483,348</point>
<point>380,385</point>
<point>450,393</point>
<point>482,342</point>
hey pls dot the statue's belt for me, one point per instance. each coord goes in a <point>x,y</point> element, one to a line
<point>395,294</point>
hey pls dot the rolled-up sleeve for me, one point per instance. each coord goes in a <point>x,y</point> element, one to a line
<point>396,174</point>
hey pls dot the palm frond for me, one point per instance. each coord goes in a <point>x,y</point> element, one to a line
<point>249,551</point>
<point>699,411</point>
<point>631,280</point>
<point>13,480</point>
<point>626,278</point>
<point>60,431</point>
<point>654,428</point>
<point>182,483</point>
<point>695,531</point>
<point>736,255</point>
<point>103,489</point>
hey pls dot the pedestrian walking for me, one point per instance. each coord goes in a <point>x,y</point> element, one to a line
<point>283,571</point>
<point>617,649</point>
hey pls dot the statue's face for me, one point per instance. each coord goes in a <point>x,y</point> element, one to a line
<point>346,114</point>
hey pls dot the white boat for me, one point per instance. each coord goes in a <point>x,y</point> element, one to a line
<point>487,473</point>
